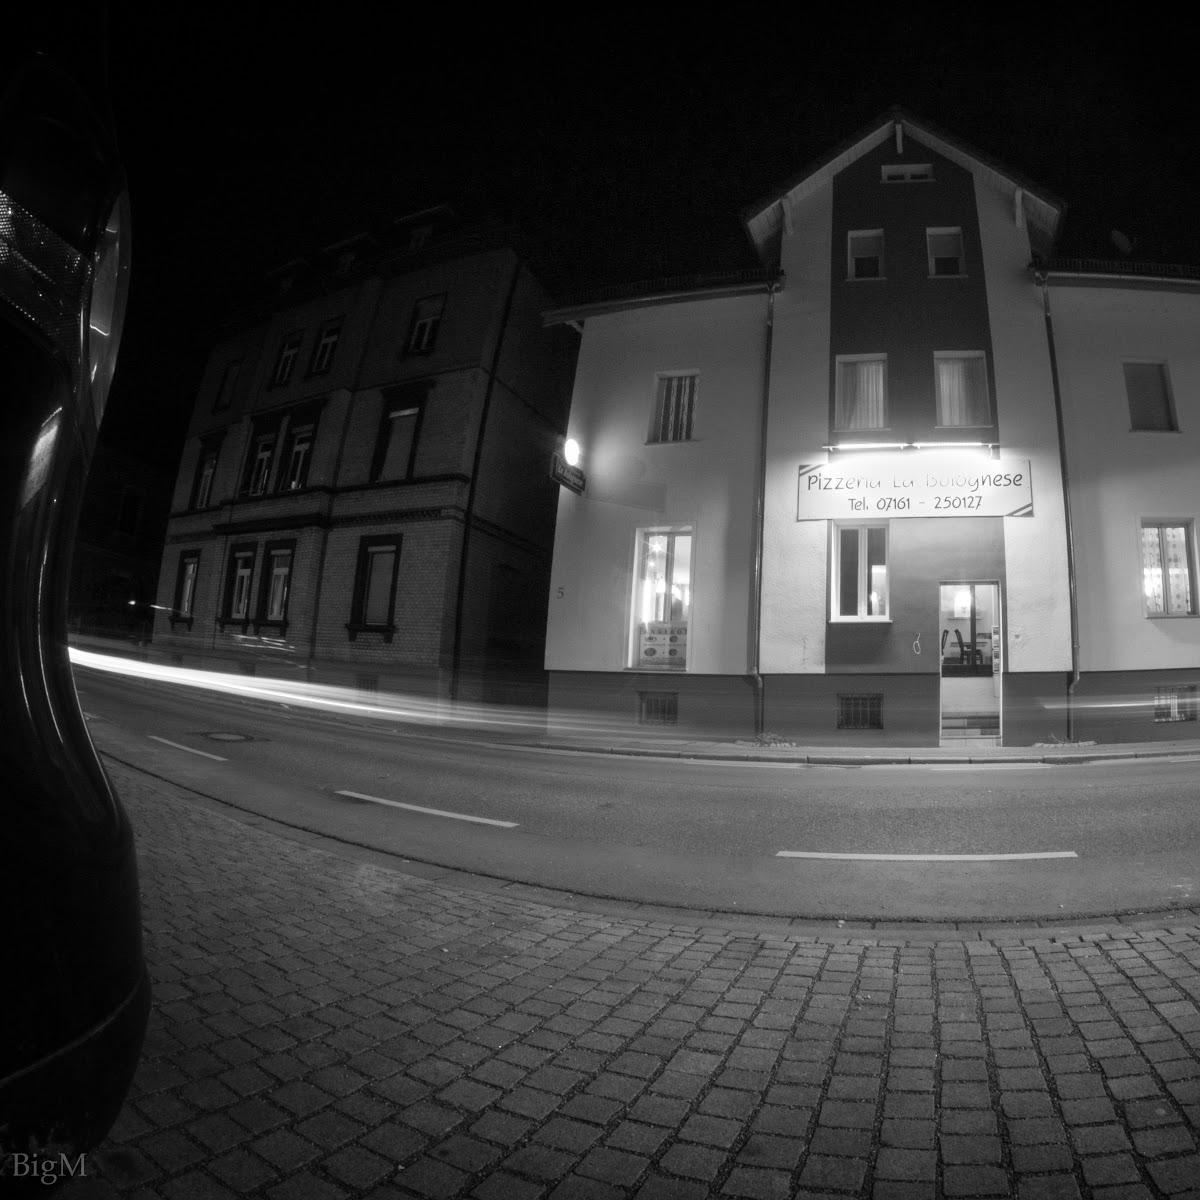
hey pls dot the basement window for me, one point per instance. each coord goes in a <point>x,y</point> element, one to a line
<point>860,710</point>
<point>1175,703</point>
<point>658,708</point>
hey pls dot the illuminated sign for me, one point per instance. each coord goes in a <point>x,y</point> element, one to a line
<point>914,484</point>
<point>568,476</point>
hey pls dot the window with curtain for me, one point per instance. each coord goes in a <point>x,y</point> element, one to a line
<point>861,401</point>
<point>674,408</point>
<point>1167,569</point>
<point>962,389</point>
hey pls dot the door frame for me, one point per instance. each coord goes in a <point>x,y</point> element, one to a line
<point>997,632</point>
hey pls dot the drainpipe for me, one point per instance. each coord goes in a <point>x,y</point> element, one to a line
<point>1039,275</point>
<point>460,599</point>
<point>759,508</point>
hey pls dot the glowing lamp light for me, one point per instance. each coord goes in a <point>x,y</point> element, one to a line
<point>571,452</point>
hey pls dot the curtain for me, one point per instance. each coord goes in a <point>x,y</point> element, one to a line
<point>862,395</point>
<point>962,396</point>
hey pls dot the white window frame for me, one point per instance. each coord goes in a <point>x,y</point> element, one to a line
<point>674,416</point>
<point>189,569</point>
<point>264,457</point>
<point>300,444</point>
<point>279,584</point>
<point>1189,532</point>
<point>933,231</point>
<point>325,348</point>
<point>286,362</point>
<point>852,259</point>
<point>1172,425</point>
<point>208,472</point>
<point>243,576</point>
<point>426,320</point>
<point>847,360</point>
<point>958,356</point>
<point>863,615</point>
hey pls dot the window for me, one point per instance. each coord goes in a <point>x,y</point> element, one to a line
<point>374,604</point>
<point>1168,569</point>
<point>229,378</point>
<point>261,458</point>
<point>861,401</point>
<point>238,579</point>
<point>323,351</point>
<point>945,251</point>
<point>277,583</point>
<point>396,450</point>
<point>863,710</point>
<point>907,173</point>
<point>1175,703</point>
<point>427,316</point>
<point>664,598</point>
<point>206,470</point>
<point>1149,393</point>
<point>859,575</point>
<point>185,586</point>
<point>286,360</point>
<point>299,453</point>
<point>962,389</point>
<point>658,708</point>
<point>674,408</point>
<point>865,254</point>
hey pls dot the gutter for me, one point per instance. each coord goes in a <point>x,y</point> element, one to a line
<point>1040,278</point>
<point>759,508</point>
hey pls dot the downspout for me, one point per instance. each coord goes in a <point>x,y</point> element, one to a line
<point>460,598</point>
<point>336,479</point>
<point>1039,276</point>
<point>759,509</point>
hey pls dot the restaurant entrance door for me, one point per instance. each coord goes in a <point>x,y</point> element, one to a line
<point>971,677</point>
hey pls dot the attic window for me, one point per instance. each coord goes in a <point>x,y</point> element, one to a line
<point>907,173</point>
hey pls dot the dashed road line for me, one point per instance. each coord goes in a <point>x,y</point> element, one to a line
<point>926,857</point>
<point>431,812</point>
<point>178,746</point>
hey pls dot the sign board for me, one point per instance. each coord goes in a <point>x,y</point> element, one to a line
<point>914,484</point>
<point>663,644</point>
<point>568,476</point>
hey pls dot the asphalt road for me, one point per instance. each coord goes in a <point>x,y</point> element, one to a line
<point>747,837</point>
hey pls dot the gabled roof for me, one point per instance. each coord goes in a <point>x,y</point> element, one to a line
<point>1033,203</point>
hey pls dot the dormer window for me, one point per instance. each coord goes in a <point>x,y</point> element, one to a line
<point>907,173</point>
<point>865,254</point>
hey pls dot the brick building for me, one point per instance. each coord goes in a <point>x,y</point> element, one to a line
<point>364,493</point>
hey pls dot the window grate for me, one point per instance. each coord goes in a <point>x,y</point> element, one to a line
<point>367,685</point>
<point>1175,703</point>
<point>860,710</point>
<point>658,708</point>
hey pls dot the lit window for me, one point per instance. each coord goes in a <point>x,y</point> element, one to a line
<point>185,584</point>
<point>945,247</point>
<point>278,583</point>
<point>907,173</point>
<point>861,400</point>
<point>427,316</point>
<point>674,408</point>
<point>1149,394</point>
<point>286,361</point>
<point>1167,569</point>
<point>323,351</point>
<point>962,389</point>
<point>865,254</point>
<point>374,603</point>
<point>664,598</point>
<point>237,585</point>
<point>859,575</point>
<point>300,441</point>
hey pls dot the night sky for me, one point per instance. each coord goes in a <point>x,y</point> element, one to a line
<point>624,146</point>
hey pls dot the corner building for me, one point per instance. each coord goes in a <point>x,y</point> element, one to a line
<point>826,500</point>
<point>364,495</point>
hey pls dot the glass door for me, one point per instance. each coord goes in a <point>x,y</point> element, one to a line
<point>971,668</point>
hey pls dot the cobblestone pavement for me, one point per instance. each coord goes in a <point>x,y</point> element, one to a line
<point>327,1025</point>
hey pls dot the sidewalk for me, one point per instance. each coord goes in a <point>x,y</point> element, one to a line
<point>330,1022</point>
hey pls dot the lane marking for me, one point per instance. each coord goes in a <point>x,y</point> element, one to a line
<point>975,766</point>
<point>927,857</point>
<point>202,753</point>
<point>432,812</point>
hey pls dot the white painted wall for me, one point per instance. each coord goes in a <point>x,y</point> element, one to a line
<point>1038,611</point>
<point>1118,477</point>
<point>707,483</point>
<point>795,552</point>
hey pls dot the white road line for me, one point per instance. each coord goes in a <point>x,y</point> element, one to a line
<point>432,812</point>
<point>927,857</point>
<point>202,753</point>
